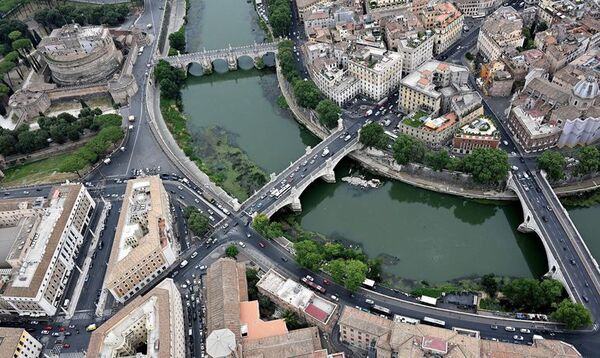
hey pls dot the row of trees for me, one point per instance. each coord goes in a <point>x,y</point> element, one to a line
<point>306,92</point>
<point>57,16</point>
<point>280,17</point>
<point>197,222</point>
<point>109,135</point>
<point>531,295</point>
<point>554,163</point>
<point>346,266</point>
<point>170,79</point>
<point>177,41</point>
<point>57,129</point>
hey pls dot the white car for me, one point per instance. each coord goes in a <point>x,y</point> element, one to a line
<point>242,244</point>
<point>517,337</point>
<point>370,301</point>
<point>509,329</point>
<point>194,254</point>
<point>524,330</point>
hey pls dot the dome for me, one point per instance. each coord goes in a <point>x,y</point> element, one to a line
<point>586,89</point>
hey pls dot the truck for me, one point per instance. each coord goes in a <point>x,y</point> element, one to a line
<point>325,152</point>
<point>369,112</point>
<point>131,118</point>
<point>428,300</point>
<point>369,283</point>
<point>91,327</point>
<point>183,263</point>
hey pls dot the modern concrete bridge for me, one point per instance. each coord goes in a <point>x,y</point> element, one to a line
<point>569,259</point>
<point>231,55</point>
<point>314,164</point>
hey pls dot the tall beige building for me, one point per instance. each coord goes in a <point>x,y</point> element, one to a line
<point>500,33</point>
<point>18,343</point>
<point>42,237</point>
<point>378,71</point>
<point>446,21</point>
<point>144,243</point>
<point>153,322</point>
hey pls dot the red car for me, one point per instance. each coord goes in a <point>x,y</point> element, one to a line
<point>261,244</point>
<point>326,282</point>
<point>61,329</point>
<point>48,328</point>
<point>66,345</point>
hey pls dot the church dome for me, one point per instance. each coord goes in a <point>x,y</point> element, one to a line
<point>586,89</point>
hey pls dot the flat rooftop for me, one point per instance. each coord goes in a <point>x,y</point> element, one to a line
<point>422,79</point>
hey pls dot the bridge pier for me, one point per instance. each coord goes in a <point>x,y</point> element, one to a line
<point>329,175</point>
<point>295,204</point>
<point>232,63</point>
<point>207,66</point>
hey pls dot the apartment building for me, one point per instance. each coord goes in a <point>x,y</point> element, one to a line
<point>151,325</point>
<point>386,338</point>
<point>446,21</point>
<point>434,131</point>
<point>335,83</point>
<point>480,133</point>
<point>477,7</point>
<point>421,89</point>
<point>44,236</point>
<point>377,70</point>
<point>305,7</point>
<point>144,243</point>
<point>18,343</point>
<point>416,50</point>
<point>500,33</point>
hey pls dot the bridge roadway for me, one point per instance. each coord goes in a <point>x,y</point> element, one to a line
<point>569,260</point>
<point>305,170</point>
<point>201,57</point>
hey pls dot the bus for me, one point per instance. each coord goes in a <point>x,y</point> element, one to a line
<point>382,102</point>
<point>404,319</point>
<point>283,190</point>
<point>434,322</point>
<point>380,309</point>
<point>369,283</point>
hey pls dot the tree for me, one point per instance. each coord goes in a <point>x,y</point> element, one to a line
<point>15,35</point>
<point>489,284</point>
<point>589,160</point>
<point>553,163</point>
<point>469,56</point>
<point>525,294</point>
<point>487,165</point>
<point>198,223</point>
<point>350,273</point>
<point>408,149</point>
<point>307,93</point>
<point>373,135</point>
<point>437,160</point>
<point>73,164</point>
<point>292,321</point>
<point>553,291</point>
<point>574,315</point>
<point>177,40</point>
<point>308,254</point>
<point>328,112</point>
<point>231,251</point>
<point>169,89</point>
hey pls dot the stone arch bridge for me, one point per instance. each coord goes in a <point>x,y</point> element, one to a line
<point>230,54</point>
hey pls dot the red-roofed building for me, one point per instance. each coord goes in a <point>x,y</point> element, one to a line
<point>434,344</point>
<point>315,312</point>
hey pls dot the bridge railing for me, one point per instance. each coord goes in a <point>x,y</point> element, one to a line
<point>270,46</point>
<point>306,181</point>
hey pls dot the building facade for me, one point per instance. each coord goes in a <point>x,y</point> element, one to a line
<point>416,51</point>
<point>377,70</point>
<point>79,55</point>
<point>477,7</point>
<point>144,244</point>
<point>49,233</point>
<point>480,133</point>
<point>153,322</point>
<point>18,343</point>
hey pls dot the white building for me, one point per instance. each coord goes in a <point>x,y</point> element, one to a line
<point>416,51</point>
<point>336,84</point>
<point>477,7</point>
<point>377,70</point>
<point>47,234</point>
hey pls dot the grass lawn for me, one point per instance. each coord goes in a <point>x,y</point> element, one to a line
<point>38,172</point>
<point>7,5</point>
<point>415,121</point>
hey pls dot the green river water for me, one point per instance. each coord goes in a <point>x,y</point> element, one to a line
<point>422,235</point>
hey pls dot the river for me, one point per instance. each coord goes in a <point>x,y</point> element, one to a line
<point>423,235</point>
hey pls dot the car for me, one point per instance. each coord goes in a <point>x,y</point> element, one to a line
<point>284,259</point>
<point>370,301</point>
<point>509,329</point>
<point>61,329</point>
<point>203,267</point>
<point>335,298</point>
<point>194,254</point>
<point>517,337</point>
<point>225,226</point>
<point>49,328</point>
<point>45,332</point>
<point>25,192</point>
<point>494,327</point>
<point>326,282</point>
<point>310,278</point>
<point>55,334</point>
<point>524,330</point>
<point>261,245</point>
<point>242,244</point>
<point>34,322</point>
<point>544,218</point>
<point>67,333</point>
<point>572,262</point>
<point>585,298</point>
